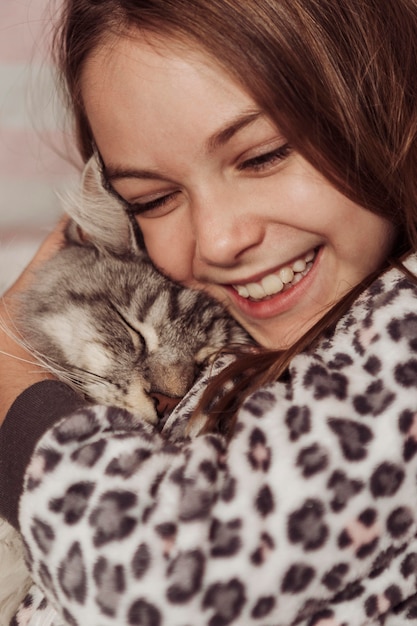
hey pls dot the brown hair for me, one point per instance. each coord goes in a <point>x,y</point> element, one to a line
<point>337,76</point>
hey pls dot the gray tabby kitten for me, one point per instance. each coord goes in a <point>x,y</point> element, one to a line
<point>104,320</point>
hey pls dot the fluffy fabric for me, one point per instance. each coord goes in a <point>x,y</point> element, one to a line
<point>306,517</point>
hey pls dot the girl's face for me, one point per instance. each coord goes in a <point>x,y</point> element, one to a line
<point>224,202</point>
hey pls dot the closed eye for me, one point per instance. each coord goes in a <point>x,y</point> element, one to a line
<point>267,160</point>
<point>162,202</point>
<point>137,340</point>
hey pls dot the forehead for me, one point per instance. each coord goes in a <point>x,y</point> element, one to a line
<point>147,58</point>
<point>139,83</point>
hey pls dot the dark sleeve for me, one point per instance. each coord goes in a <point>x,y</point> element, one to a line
<point>32,413</point>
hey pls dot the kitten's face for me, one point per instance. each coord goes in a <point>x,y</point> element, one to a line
<point>143,366</point>
<point>121,333</point>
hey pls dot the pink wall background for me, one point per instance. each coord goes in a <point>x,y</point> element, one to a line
<point>33,145</point>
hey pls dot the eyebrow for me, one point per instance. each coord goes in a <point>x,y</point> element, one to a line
<point>220,138</point>
<point>226,133</point>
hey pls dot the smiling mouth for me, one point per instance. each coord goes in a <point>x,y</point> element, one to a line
<point>281,280</point>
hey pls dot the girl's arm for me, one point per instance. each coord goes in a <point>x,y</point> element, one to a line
<point>307,516</point>
<point>18,368</point>
<point>43,399</point>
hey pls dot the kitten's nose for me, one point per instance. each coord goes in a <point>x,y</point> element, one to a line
<point>164,404</point>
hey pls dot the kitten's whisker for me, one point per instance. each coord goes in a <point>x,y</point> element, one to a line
<point>48,365</point>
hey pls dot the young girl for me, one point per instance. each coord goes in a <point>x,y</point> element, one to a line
<point>266,150</point>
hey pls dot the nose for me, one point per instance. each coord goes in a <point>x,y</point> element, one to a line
<point>163,404</point>
<point>224,230</point>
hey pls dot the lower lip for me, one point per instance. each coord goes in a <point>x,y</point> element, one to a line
<point>282,301</point>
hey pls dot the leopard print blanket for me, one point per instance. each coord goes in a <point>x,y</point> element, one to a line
<point>307,517</point>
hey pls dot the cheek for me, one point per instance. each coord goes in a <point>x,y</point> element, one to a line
<point>169,251</point>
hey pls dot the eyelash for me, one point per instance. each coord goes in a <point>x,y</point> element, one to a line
<point>268,159</point>
<point>137,207</point>
<point>256,164</point>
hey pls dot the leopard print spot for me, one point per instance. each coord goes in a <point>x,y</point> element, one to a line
<point>406,373</point>
<point>266,545</point>
<point>141,561</point>
<point>226,600</point>
<point>324,383</point>
<point>50,458</point>
<point>298,421</point>
<point>263,607</point>
<point>353,437</point>
<point>371,606</point>
<point>305,525</point>
<point>322,618</point>
<point>344,489</point>
<point>127,464</point>
<point>313,611</point>
<point>74,503</point>
<point>259,454</point>
<point>80,426</point>
<point>121,420</point>
<point>409,565</point>
<point>410,608</point>
<point>386,480</point>
<point>225,537</point>
<point>259,403</point>
<point>375,400</point>
<point>88,455</point>
<point>297,578</point>
<point>367,548</point>
<point>368,517</point>
<point>142,613</point>
<point>373,365</point>
<point>410,449</point>
<point>196,503</point>
<point>72,576</point>
<point>186,572</point>
<point>209,470</point>
<point>312,460</point>
<point>43,534</point>
<point>340,361</point>
<point>110,518</point>
<point>405,328</point>
<point>350,592</point>
<point>405,421</point>
<point>399,521</point>
<point>405,424</point>
<point>167,530</point>
<point>110,584</point>
<point>383,560</point>
<point>393,595</point>
<point>265,501</point>
<point>333,579</point>
<point>229,489</point>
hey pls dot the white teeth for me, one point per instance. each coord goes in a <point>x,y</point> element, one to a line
<point>299,266</point>
<point>272,284</point>
<point>242,291</point>
<point>297,278</point>
<point>256,291</point>
<point>286,275</point>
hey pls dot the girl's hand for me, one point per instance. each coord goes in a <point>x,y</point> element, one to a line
<point>18,367</point>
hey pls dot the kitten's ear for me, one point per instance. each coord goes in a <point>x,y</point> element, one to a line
<point>100,218</point>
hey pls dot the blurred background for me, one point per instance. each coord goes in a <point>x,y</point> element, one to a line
<point>36,155</point>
